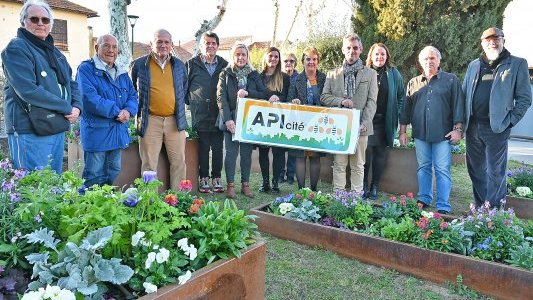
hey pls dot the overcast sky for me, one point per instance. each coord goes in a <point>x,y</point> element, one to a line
<point>256,17</point>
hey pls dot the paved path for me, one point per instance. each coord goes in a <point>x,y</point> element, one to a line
<point>521,150</point>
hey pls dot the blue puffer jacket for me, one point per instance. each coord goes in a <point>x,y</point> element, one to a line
<point>31,79</point>
<point>140,74</point>
<point>103,99</point>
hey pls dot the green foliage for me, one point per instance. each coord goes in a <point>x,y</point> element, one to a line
<point>363,213</point>
<point>407,26</point>
<point>403,231</point>
<point>522,256</point>
<point>496,233</point>
<point>462,290</point>
<point>221,232</point>
<point>256,58</point>
<point>519,178</point>
<point>305,212</point>
<point>79,268</point>
<point>329,48</point>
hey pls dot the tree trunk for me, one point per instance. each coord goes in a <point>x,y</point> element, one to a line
<point>119,28</point>
<point>276,15</point>
<point>209,25</point>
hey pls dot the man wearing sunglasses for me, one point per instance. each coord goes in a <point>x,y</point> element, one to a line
<point>37,74</point>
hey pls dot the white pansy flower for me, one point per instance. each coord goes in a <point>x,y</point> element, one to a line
<point>156,247</point>
<point>523,191</point>
<point>162,256</point>
<point>146,243</point>
<point>427,214</point>
<point>185,277</point>
<point>285,208</point>
<point>51,292</point>
<point>396,143</point>
<point>66,295</point>
<point>149,260</point>
<point>136,238</point>
<point>183,243</point>
<point>149,287</point>
<point>35,295</point>
<point>192,252</point>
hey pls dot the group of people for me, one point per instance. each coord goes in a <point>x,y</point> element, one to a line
<point>494,96</point>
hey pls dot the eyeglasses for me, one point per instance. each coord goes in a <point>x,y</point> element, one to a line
<point>35,20</point>
<point>289,61</point>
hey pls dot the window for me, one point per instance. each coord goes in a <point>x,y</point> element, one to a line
<point>60,34</point>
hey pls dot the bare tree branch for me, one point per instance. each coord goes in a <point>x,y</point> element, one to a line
<point>209,25</point>
<point>276,16</point>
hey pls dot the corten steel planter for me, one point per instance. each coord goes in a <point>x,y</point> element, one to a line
<point>399,175</point>
<point>236,278</point>
<point>75,156</point>
<point>489,278</point>
<point>522,207</point>
<point>131,165</point>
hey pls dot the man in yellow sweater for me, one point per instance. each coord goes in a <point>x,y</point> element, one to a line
<point>161,81</point>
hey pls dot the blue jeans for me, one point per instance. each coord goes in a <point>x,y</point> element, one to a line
<point>437,156</point>
<point>101,167</point>
<point>29,151</point>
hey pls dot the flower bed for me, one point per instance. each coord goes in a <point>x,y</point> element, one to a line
<point>242,278</point>
<point>88,240</point>
<point>520,189</point>
<point>379,236</point>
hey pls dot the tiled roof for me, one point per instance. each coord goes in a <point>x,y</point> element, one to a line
<point>66,5</point>
<point>140,49</point>
<point>225,42</point>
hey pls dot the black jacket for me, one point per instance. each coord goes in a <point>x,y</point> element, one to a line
<point>283,94</point>
<point>202,93</point>
<point>227,91</point>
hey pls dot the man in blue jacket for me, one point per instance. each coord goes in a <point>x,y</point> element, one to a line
<point>109,100</point>
<point>161,80</point>
<point>498,94</point>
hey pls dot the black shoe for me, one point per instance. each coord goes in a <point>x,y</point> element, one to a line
<point>365,191</point>
<point>275,187</point>
<point>373,194</point>
<point>424,205</point>
<point>265,187</point>
<point>443,212</point>
<point>290,180</point>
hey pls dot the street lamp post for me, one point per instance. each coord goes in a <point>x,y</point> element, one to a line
<point>133,20</point>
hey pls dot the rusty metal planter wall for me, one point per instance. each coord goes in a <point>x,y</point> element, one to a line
<point>131,165</point>
<point>236,278</point>
<point>490,278</point>
<point>522,207</point>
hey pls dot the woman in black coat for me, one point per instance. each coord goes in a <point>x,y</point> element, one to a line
<point>238,80</point>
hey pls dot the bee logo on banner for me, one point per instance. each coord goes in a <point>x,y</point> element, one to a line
<point>323,129</point>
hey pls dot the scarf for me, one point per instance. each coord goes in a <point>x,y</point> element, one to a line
<point>493,63</point>
<point>242,75</point>
<point>350,71</point>
<point>48,47</point>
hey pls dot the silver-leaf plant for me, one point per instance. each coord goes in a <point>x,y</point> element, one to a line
<point>80,268</point>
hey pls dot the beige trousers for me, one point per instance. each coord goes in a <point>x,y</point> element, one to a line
<point>357,167</point>
<point>164,130</point>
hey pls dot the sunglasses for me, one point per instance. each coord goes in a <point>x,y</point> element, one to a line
<point>289,61</point>
<point>35,20</point>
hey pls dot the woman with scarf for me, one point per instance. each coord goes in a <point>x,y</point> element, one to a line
<point>238,80</point>
<point>306,90</point>
<point>277,86</point>
<point>391,95</point>
<point>37,74</point>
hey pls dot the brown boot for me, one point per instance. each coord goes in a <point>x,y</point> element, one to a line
<point>230,190</point>
<point>246,190</point>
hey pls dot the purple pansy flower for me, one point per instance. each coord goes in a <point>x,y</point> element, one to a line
<point>149,176</point>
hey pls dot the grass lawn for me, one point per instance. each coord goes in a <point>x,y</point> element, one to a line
<point>295,271</point>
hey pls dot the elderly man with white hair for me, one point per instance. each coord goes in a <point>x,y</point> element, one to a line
<point>434,107</point>
<point>110,101</point>
<point>498,94</point>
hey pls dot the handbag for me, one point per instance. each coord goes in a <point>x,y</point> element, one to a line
<point>221,125</point>
<point>46,122</point>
